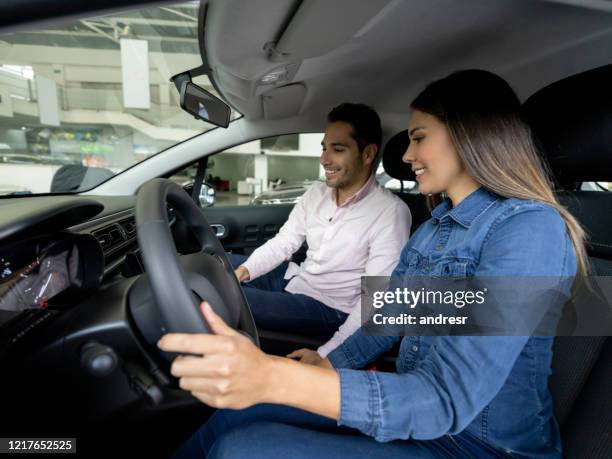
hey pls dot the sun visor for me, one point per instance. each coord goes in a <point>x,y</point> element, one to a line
<point>320,26</point>
<point>283,102</point>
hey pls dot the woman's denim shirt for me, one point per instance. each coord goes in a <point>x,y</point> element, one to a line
<point>493,387</point>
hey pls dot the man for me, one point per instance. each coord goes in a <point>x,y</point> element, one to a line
<point>353,228</point>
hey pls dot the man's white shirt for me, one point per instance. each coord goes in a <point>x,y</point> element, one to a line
<point>362,237</point>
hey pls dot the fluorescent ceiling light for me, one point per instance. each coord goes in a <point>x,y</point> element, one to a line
<point>23,71</point>
<point>274,76</point>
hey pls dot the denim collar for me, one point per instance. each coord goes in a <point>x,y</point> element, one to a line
<point>468,209</point>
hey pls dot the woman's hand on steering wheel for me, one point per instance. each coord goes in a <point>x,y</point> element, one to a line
<point>227,370</point>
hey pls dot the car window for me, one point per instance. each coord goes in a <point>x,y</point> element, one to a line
<point>273,170</point>
<point>84,100</point>
<point>390,183</point>
<point>596,186</point>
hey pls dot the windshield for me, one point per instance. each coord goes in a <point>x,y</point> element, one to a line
<point>85,100</point>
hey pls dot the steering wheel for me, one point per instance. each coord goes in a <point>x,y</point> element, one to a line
<point>179,284</point>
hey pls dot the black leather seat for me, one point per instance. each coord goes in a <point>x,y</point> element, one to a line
<point>396,168</point>
<point>572,123</point>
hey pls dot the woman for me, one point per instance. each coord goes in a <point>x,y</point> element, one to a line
<point>457,396</point>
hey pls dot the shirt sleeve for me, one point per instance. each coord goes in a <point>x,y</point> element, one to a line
<point>386,242</point>
<point>460,375</point>
<point>350,325</point>
<point>359,350</point>
<point>287,241</point>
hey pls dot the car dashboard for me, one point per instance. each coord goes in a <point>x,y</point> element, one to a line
<point>77,319</point>
<point>39,273</point>
<point>55,252</point>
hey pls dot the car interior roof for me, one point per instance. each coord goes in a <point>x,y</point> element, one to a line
<point>382,52</point>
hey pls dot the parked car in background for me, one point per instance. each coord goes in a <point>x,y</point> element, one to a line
<point>28,158</point>
<point>286,193</point>
<point>290,193</point>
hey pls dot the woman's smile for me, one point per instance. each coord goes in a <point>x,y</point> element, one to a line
<point>419,172</point>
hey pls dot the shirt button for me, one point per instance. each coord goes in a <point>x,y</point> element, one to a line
<point>414,348</point>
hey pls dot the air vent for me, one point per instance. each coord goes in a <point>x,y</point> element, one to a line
<point>116,235</point>
<point>129,227</point>
<point>109,238</point>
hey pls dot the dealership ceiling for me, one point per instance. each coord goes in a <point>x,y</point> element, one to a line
<point>171,29</point>
<point>84,59</point>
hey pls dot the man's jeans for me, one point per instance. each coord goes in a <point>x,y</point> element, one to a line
<point>275,309</point>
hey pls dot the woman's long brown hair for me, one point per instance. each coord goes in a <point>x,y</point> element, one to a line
<point>482,115</point>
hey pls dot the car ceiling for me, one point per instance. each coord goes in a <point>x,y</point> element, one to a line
<point>382,52</point>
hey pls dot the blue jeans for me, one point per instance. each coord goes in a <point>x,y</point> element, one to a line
<point>277,310</point>
<point>269,431</point>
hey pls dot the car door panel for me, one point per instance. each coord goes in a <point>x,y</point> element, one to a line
<point>241,229</point>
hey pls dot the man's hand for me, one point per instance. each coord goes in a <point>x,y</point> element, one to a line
<point>242,274</point>
<point>310,357</point>
<point>231,372</point>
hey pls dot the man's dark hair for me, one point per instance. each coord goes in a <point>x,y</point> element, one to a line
<point>364,121</point>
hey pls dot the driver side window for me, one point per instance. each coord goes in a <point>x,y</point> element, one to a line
<point>269,171</point>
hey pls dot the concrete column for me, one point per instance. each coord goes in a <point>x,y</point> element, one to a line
<point>261,170</point>
<point>164,93</point>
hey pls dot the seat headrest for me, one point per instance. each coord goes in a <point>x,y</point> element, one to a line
<point>392,157</point>
<point>572,121</point>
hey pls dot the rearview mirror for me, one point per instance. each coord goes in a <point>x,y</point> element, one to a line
<point>204,105</point>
